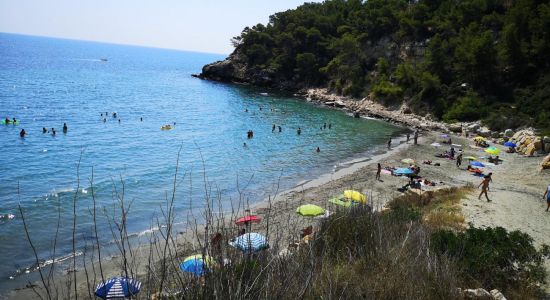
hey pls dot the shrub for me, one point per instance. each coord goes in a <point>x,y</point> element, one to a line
<point>494,258</point>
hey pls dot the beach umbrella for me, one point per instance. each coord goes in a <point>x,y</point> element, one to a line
<point>479,138</point>
<point>250,242</point>
<point>339,201</point>
<point>310,210</point>
<point>209,260</point>
<point>355,196</point>
<point>510,144</point>
<point>477,164</point>
<point>492,150</point>
<point>435,144</point>
<point>117,287</point>
<point>408,161</point>
<point>248,219</point>
<point>403,171</point>
<point>470,157</point>
<point>195,266</point>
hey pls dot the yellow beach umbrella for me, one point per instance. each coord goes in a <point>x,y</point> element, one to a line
<point>470,157</point>
<point>310,210</point>
<point>355,196</point>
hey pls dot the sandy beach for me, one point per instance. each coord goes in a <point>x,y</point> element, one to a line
<point>516,194</point>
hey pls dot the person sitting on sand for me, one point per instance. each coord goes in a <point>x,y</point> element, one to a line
<point>511,150</point>
<point>547,196</point>
<point>485,187</point>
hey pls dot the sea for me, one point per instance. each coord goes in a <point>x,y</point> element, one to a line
<point>49,82</point>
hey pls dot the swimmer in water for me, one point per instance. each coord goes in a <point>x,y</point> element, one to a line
<point>318,150</point>
<point>329,125</point>
<point>141,119</point>
<point>53,131</point>
<point>299,131</point>
<point>44,130</point>
<point>280,129</point>
<point>65,128</point>
<point>273,128</point>
<point>22,133</point>
<point>104,120</point>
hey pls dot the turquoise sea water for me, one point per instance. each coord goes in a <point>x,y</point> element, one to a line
<point>45,82</point>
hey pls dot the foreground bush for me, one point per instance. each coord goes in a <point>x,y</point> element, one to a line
<point>494,258</point>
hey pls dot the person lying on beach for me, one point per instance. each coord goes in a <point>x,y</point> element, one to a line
<point>427,162</point>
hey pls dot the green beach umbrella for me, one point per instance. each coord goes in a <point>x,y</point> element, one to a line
<point>492,150</point>
<point>340,200</point>
<point>310,210</point>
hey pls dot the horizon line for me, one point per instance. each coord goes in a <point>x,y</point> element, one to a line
<point>110,43</point>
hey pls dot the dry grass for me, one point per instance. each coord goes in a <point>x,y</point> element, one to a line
<point>438,209</point>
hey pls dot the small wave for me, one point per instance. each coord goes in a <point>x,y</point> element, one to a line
<point>44,263</point>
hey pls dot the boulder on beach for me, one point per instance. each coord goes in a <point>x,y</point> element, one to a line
<point>508,133</point>
<point>545,164</point>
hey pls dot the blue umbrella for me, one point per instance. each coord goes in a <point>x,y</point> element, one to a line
<point>477,164</point>
<point>403,171</point>
<point>510,144</point>
<point>250,242</point>
<point>118,287</point>
<point>195,266</point>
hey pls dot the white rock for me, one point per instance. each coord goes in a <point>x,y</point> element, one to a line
<point>509,133</point>
<point>478,293</point>
<point>473,127</point>
<point>484,132</point>
<point>497,295</point>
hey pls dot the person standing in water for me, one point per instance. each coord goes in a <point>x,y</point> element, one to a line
<point>44,130</point>
<point>299,131</point>
<point>22,133</point>
<point>325,126</point>
<point>547,196</point>
<point>273,128</point>
<point>280,129</point>
<point>53,131</point>
<point>329,125</point>
<point>65,128</point>
<point>141,119</point>
<point>318,150</point>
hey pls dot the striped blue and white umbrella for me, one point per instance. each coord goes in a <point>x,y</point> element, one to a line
<point>117,288</point>
<point>250,242</point>
<point>403,171</point>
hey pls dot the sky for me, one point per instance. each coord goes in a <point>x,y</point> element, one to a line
<point>194,25</point>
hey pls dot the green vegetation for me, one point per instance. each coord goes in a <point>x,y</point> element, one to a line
<point>495,258</point>
<point>459,60</point>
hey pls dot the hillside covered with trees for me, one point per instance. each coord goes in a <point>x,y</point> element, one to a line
<point>458,60</point>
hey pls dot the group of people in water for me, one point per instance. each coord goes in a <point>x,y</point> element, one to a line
<point>23,133</point>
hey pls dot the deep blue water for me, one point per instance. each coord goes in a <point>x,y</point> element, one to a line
<point>45,82</point>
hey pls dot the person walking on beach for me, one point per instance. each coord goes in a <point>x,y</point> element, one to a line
<point>416,137</point>
<point>547,196</point>
<point>378,171</point>
<point>408,137</point>
<point>65,128</point>
<point>485,187</point>
<point>389,143</point>
<point>459,160</point>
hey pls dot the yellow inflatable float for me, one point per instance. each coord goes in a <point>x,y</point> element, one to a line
<point>166,127</point>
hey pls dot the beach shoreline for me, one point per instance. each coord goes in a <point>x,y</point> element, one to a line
<point>505,212</point>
